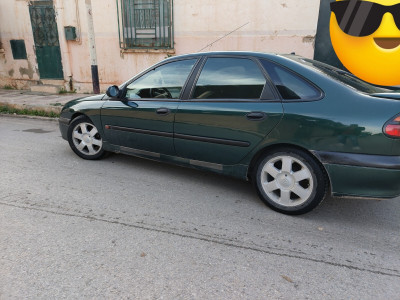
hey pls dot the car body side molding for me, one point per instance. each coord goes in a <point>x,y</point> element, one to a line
<point>182,136</point>
<point>212,140</point>
<point>139,152</point>
<point>143,131</point>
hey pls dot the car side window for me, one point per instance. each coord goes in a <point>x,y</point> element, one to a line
<point>229,78</point>
<point>164,82</point>
<point>289,85</point>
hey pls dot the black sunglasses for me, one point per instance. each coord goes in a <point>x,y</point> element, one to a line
<point>362,18</point>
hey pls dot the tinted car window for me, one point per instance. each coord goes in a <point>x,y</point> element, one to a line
<point>347,78</point>
<point>229,78</point>
<point>289,85</point>
<point>165,81</point>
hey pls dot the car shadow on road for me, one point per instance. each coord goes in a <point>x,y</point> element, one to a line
<point>183,174</point>
<point>332,210</point>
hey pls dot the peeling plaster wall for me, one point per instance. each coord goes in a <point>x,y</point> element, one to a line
<point>280,26</point>
<point>15,25</point>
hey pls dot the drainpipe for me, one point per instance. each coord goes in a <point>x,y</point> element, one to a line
<point>64,44</point>
<point>64,47</point>
<point>92,48</point>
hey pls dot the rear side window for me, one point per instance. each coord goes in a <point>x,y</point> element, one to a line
<point>229,78</point>
<point>290,85</point>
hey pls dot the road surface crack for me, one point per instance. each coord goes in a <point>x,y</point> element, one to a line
<point>208,238</point>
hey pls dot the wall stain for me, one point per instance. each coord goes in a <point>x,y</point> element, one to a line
<point>308,39</point>
<point>11,72</point>
<point>27,71</point>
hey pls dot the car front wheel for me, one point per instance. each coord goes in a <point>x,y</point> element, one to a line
<point>84,138</point>
<point>290,181</point>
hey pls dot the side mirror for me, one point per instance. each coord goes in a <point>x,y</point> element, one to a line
<point>113,91</point>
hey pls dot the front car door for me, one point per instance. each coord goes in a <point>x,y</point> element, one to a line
<point>230,110</point>
<point>144,119</point>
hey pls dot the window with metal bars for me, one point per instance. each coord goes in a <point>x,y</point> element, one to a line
<point>145,24</point>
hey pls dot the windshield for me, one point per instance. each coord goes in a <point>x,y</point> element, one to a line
<point>347,78</point>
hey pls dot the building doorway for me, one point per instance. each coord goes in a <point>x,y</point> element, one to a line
<point>45,35</point>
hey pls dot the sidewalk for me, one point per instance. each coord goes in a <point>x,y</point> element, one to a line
<point>25,99</point>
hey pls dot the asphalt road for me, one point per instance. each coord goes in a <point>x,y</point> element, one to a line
<point>127,228</point>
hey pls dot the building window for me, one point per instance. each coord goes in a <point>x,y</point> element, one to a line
<point>145,24</point>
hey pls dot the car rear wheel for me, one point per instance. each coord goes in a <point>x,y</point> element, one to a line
<point>290,181</point>
<point>84,138</point>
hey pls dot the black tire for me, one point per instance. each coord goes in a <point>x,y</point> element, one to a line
<point>290,181</point>
<point>84,138</point>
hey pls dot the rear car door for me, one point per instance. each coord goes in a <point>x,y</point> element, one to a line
<point>144,119</point>
<point>230,109</point>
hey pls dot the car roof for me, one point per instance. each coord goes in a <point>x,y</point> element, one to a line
<point>228,53</point>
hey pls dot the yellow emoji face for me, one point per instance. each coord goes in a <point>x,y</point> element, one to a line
<point>366,38</point>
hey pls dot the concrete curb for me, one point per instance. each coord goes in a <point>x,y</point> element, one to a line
<point>43,102</point>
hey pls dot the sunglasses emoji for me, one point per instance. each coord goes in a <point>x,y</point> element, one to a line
<point>366,38</point>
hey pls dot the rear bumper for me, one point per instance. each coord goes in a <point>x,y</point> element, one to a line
<point>63,124</point>
<point>364,182</point>
<point>362,175</point>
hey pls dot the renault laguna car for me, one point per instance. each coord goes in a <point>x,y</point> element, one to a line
<point>297,128</point>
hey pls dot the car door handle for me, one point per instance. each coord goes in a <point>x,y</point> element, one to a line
<point>163,111</point>
<point>256,116</point>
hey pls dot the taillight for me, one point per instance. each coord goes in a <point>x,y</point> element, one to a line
<point>392,127</point>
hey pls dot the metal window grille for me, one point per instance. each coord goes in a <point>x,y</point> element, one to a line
<point>144,24</point>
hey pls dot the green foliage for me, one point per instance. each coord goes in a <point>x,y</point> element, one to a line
<point>8,87</point>
<point>64,91</point>
<point>28,112</point>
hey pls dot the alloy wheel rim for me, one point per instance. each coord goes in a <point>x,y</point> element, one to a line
<point>86,139</point>
<point>287,181</point>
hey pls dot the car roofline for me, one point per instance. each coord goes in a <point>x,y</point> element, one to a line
<point>227,53</point>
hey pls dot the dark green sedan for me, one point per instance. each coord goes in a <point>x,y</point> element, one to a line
<point>297,128</point>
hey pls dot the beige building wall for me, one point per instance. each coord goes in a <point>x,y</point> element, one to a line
<point>280,26</point>
<point>15,24</point>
